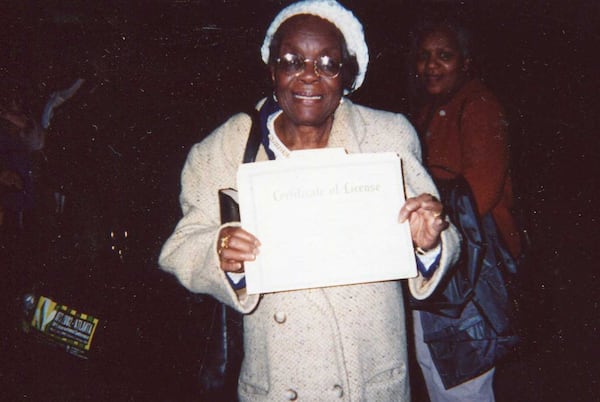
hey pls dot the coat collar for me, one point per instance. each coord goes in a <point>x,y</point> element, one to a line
<point>344,132</point>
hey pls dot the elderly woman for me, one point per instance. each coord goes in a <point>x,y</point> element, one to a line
<point>336,343</point>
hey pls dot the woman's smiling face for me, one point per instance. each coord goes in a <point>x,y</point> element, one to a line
<point>306,98</point>
<point>440,63</point>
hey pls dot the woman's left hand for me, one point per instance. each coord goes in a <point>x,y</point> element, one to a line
<point>425,214</point>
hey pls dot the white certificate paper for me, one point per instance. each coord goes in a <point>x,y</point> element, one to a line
<point>325,218</point>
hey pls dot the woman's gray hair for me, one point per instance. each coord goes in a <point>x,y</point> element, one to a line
<point>453,25</point>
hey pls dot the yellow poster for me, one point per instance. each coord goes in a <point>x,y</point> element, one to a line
<point>62,324</point>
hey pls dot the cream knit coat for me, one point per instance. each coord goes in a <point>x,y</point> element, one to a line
<point>345,343</point>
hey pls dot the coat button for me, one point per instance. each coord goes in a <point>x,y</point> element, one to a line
<point>280,317</point>
<point>291,395</point>
<point>338,391</point>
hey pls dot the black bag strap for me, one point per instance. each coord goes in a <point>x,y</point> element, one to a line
<point>254,138</point>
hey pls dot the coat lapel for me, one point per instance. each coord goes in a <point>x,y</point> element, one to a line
<point>344,132</point>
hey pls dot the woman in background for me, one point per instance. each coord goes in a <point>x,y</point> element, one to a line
<point>463,130</point>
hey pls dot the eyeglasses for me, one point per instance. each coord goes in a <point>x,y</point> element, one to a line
<point>324,66</point>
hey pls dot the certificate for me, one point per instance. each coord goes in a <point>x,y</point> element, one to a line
<point>325,218</point>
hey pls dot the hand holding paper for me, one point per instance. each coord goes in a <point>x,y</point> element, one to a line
<point>234,244</point>
<point>425,214</point>
<point>235,247</point>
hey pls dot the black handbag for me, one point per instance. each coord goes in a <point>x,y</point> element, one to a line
<point>457,287</point>
<point>469,320</point>
<point>221,360</point>
<point>482,249</point>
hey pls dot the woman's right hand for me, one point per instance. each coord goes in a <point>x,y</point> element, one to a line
<point>235,246</point>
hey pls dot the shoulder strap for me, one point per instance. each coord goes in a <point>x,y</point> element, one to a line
<point>254,138</point>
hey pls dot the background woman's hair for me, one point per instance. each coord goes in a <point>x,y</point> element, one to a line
<point>450,23</point>
<point>349,63</point>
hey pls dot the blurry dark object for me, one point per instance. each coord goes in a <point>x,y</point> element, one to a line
<point>20,138</point>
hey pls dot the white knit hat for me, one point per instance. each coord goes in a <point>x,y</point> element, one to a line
<point>333,12</point>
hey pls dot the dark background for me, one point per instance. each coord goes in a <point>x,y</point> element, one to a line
<point>177,69</point>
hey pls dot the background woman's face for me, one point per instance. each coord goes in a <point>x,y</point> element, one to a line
<point>440,64</point>
<point>307,98</point>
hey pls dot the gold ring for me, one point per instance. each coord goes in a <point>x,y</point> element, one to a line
<point>224,243</point>
<point>437,214</point>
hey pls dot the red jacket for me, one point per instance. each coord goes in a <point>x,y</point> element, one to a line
<point>468,135</point>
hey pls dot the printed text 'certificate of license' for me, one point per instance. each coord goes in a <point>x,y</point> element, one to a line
<point>325,218</point>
